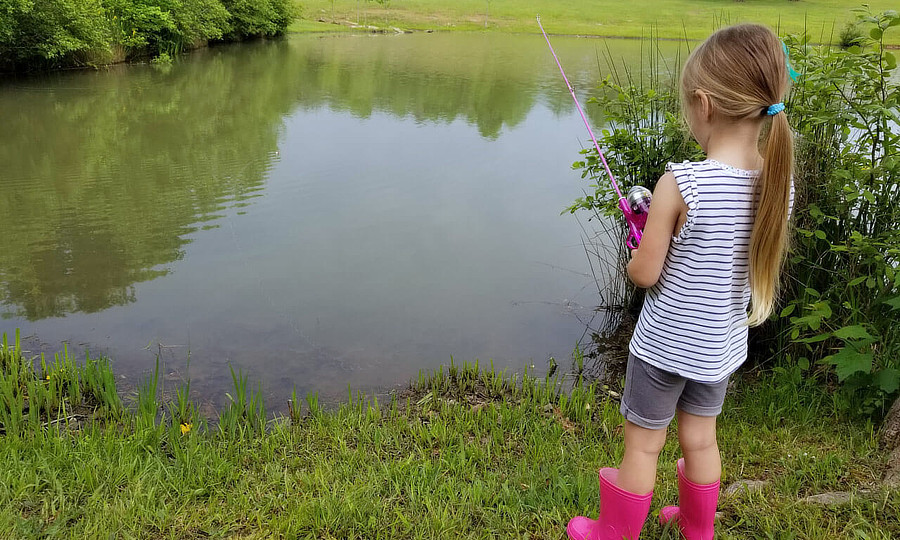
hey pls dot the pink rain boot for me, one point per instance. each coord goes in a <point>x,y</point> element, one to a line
<point>696,513</point>
<point>622,514</point>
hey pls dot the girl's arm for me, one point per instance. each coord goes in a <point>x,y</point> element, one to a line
<point>667,214</point>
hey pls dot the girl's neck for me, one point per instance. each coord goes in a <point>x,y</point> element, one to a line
<point>735,144</point>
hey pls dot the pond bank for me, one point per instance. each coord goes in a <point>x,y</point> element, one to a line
<point>824,20</point>
<point>465,453</point>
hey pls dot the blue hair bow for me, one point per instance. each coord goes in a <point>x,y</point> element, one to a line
<point>787,62</point>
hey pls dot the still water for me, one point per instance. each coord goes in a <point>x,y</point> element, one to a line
<point>317,212</point>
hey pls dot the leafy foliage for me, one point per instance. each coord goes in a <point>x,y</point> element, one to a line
<point>644,132</point>
<point>844,280</point>
<point>55,33</point>
<point>850,34</point>
<point>257,17</point>
<point>49,30</point>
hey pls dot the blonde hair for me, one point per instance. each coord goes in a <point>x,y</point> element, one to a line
<point>743,70</point>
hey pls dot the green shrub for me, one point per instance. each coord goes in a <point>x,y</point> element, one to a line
<point>843,290</point>
<point>200,20</point>
<point>850,35</point>
<point>643,131</point>
<point>139,26</point>
<point>40,34</point>
<point>165,26</point>
<point>257,18</point>
<point>50,33</point>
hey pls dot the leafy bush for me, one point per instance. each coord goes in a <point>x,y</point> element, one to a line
<point>56,33</point>
<point>50,33</point>
<point>843,290</point>
<point>850,34</point>
<point>200,20</point>
<point>251,18</point>
<point>138,25</point>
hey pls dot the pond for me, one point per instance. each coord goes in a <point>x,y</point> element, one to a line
<point>319,212</point>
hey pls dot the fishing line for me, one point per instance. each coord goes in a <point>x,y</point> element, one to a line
<point>636,206</point>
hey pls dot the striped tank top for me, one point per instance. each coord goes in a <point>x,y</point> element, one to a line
<point>694,319</point>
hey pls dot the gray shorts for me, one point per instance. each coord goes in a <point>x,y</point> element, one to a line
<point>652,395</point>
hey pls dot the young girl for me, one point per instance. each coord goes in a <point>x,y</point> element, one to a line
<point>713,245</point>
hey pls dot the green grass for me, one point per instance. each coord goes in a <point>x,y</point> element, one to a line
<point>467,453</point>
<point>823,19</point>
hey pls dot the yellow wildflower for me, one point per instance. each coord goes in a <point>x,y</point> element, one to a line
<point>186,427</point>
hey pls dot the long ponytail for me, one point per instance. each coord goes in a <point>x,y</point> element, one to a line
<point>742,69</point>
<point>768,241</point>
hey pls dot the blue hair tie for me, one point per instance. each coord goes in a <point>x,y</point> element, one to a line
<point>772,110</point>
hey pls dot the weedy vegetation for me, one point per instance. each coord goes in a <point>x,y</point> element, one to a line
<point>466,452</point>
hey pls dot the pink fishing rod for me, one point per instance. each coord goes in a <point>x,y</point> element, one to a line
<point>636,206</point>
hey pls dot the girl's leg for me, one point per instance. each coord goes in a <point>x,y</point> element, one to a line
<point>625,493</point>
<point>697,437</point>
<point>637,473</point>
<point>698,478</point>
<point>649,397</point>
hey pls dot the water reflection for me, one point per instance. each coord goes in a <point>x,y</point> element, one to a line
<point>324,210</point>
<point>429,78</point>
<point>106,173</point>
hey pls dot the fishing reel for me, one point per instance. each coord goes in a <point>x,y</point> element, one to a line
<point>639,200</point>
<point>635,206</point>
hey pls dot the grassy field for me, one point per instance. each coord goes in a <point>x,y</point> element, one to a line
<point>678,19</point>
<point>466,453</point>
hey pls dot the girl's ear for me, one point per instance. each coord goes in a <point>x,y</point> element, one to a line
<point>704,103</point>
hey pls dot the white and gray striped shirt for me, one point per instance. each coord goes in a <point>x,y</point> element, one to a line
<point>694,319</point>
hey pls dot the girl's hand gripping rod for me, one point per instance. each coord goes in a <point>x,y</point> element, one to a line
<point>637,204</point>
